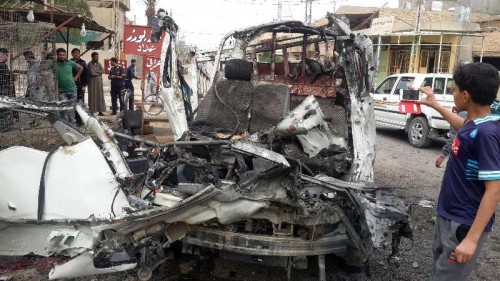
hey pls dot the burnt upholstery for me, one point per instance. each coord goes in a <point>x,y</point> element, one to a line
<point>270,104</point>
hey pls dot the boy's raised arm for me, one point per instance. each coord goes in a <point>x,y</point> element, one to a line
<point>430,100</point>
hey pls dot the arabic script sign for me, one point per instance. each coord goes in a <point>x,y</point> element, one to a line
<point>107,65</point>
<point>382,25</point>
<point>138,41</point>
<point>152,64</point>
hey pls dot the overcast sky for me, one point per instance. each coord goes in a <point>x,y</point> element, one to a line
<point>204,22</point>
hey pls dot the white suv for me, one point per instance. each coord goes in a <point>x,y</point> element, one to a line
<point>423,127</point>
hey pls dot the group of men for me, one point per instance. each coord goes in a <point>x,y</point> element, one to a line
<point>74,77</point>
<point>120,80</point>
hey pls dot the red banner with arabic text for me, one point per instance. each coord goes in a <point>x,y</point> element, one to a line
<point>151,69</point>
<point>152,64</point>
<point>138,41</point>
<point>107,65</point>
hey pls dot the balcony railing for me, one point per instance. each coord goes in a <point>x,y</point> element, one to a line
<point>124,4</point>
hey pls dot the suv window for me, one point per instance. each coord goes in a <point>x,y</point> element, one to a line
<point>449,86</point>
<point>404,83</point>
<point>427,82</point>
<point>386,86</point>
<point>439,86</point>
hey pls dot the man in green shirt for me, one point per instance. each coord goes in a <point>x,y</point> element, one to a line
<point>66,80</point>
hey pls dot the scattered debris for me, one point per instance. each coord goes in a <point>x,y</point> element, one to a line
<point>426,203</point>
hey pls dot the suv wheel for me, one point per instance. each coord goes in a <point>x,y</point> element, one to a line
<point>418,132</point>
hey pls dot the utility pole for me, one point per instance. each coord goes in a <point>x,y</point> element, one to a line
<point>308,15</point>
<point>416,37</point>
<point>280,10</point>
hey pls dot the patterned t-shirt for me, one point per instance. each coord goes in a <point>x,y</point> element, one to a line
<point>474,159</point>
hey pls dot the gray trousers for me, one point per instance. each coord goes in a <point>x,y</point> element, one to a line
<point>445,242</point>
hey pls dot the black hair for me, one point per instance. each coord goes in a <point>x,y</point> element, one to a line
<point>75,50</point>
<point>132,60</point>
<point>4,50</point>
<point>60,50</point>
<point>481,80</point>
<point>114,59</point>
<point>94,54</point>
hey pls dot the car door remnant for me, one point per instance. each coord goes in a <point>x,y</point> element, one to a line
<point>299,187</point>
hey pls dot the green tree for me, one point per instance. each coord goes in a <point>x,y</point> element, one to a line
<point>183,51</point>
<point>150,8</point>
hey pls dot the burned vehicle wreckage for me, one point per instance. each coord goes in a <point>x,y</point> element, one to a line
<point>275,163</point>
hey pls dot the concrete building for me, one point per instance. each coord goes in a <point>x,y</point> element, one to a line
<point>477,6</point>
<point>489,48</point>
<point>438,46</point>
<point>111,14</point>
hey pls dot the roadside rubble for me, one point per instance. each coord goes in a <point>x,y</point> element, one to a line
<point>288,186</point>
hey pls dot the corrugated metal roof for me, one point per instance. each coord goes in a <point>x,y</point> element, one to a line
<point>59,18</point>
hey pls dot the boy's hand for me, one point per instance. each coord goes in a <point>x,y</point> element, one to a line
<point>430,99</point>
<point>465,250</point>
<point>439,161</point>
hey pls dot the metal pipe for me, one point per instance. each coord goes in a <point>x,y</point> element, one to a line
<point>169,144</point>
<point>110,148</point>
<point>67,40</point>
<point>304,54</point>
<point>285,62</point>
<point>273,56</point>
<point>378,52</point>
<point>440,50</point>
<point>322,269</point>
<point>482,50</point>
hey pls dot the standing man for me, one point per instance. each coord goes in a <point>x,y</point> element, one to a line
<point>117,76</point>
<point>82,81</point>
<point>96,91</point>
<point>66,80</point>
<point>129,85</point>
